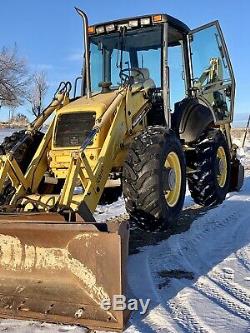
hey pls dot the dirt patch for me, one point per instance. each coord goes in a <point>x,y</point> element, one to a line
<point>176,274</point>
<point>173,274</point>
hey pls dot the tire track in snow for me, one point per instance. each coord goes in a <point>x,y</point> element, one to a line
<point>158,318</point>
<point>243,255</point>
<point>216,294</point>
<point>186,316</point>
<point>175,313</point>
<point>235,290</point>
<point>235,301</point>
<point>231,287</point>
<point>179,308</point>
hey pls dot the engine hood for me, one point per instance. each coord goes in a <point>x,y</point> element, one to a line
<point>98,103</point>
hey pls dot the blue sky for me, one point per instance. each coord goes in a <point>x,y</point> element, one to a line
<point>48,33</point>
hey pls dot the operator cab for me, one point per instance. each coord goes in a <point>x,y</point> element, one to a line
<point>168,61</point>
<point>134,51</point>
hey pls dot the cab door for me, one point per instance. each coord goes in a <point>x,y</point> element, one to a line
<point>212,78</point>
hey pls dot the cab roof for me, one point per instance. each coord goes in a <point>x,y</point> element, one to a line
<point>172,21</point>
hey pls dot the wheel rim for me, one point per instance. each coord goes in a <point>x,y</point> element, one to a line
<point>172,164</point>
<point>222,166</point>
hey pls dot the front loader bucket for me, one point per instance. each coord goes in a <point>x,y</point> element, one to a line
<point>61,272</point>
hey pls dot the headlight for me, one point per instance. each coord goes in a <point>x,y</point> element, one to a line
<point>133,24</point>
<point>123,25</point>
<point>145,21</point>
<point>110,27</point>
<point>100,30</point>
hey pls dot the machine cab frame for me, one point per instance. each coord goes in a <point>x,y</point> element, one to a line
<point>208,77</point>
<point>211,72</point>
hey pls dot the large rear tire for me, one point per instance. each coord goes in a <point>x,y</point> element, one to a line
<point>209,183</point>
<point>154,181</point>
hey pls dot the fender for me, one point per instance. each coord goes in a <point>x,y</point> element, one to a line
<point>190,119</point>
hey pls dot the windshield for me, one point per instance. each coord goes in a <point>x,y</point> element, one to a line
<point>135,49</point>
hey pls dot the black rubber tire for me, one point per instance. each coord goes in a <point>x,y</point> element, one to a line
<point>144,176</point>
<point>110,195</point>
<point>23,156</point>
<point>203,183</point>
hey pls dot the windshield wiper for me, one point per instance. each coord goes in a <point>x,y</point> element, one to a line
<point>121,48</point>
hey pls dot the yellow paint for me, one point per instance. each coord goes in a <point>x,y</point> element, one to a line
<point>222,161</point>
<point>90,168</point>
<point>173,162</point>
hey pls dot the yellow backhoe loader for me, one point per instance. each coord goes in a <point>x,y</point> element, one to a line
<point>154,111</point>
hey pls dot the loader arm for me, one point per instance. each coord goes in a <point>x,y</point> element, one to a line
<point>122,116</point>
<point>9,168</point>
<point>119,134</point>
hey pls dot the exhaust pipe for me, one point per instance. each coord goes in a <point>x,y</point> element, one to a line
<point>86,62</point>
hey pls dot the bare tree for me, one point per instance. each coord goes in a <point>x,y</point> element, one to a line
<point>13,78</point>
<point>39,88</point>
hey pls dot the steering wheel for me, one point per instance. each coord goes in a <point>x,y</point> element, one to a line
<point>125,78</point>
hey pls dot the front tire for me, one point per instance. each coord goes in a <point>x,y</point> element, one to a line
<point>209,183</point>
<point>154,182</point>
<point>23,156</point>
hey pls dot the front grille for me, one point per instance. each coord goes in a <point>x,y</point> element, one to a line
<point>72,128</point>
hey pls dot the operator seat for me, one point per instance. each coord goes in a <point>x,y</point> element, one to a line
<point>143,78</point>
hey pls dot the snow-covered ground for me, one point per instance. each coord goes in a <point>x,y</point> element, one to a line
<point>197,281</point>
